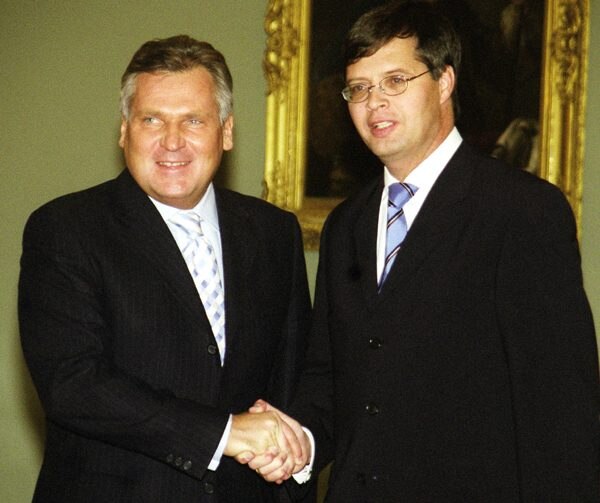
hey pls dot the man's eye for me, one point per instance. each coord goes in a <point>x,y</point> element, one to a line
<point>150,120</point>
<point>397,79</point>
<point>357,88</point>
<point>195,122</point>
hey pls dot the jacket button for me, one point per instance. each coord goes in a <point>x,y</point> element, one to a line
<point>212,349</point>
<point>170,458</point>
<point>187,465</point>
<point>375,343</point>
<point>178,461</point>
<point>372,409</point>
<point>209,488</point>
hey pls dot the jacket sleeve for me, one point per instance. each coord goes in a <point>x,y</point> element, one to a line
<point>550,346</point>
<point>313,405</point>
<point>68,342</point>
<point>292,347</point>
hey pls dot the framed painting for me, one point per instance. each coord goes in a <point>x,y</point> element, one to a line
<point>522,90</point>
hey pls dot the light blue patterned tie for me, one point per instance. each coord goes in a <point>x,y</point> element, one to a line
<point>202,263</point>
<point>399,194</point>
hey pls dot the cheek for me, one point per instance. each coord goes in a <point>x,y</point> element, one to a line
<point>141,145</point>
<point>354,114</point>
<point>359,119</point>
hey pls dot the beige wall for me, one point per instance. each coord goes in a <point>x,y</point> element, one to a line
<point>590,239</point>
<point>60,64</point>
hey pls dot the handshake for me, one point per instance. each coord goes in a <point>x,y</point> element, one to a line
<point>269,442</point>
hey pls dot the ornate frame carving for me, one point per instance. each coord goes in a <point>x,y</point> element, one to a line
<point>562,107</point>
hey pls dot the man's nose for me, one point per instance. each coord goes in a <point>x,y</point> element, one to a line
<point>172,139</point>
<point>376,97</point>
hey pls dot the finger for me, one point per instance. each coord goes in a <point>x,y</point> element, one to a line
<point>292,423</point>
<point>277,471</point>
<point>302,453</point>
<point>244,457</point>
<point>263,460</point>
<point>292,438</point>
<point>259,406</point>
<point>279,475</point>
<point>266,464</point>
<point>306,452</point>
<point>294,443</point>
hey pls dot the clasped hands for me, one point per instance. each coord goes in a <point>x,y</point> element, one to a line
<point>269,442</point>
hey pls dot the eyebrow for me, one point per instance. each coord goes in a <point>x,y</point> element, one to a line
<point>200,113</point>
<point>388,73</point>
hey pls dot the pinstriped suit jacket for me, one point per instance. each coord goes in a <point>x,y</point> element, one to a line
<point>122,354</point>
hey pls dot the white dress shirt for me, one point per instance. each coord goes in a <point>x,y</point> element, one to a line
<point>207,209</point>
<point>423,177</point>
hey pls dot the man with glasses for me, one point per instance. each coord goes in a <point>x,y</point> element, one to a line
<point>453,356</point>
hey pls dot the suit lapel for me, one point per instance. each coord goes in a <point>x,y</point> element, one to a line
<point>444,209</point>
<point>145,231</point>
<point>365,239</point>
<point>239,248</point>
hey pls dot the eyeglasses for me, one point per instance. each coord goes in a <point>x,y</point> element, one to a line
<point>390,86</point>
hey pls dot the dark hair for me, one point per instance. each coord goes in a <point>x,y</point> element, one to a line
<point>438,44</point>
<point>178,54</point>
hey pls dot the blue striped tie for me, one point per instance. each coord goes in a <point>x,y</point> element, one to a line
<point>399,194</point>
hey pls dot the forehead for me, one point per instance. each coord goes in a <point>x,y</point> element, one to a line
<point>399,54</point>
<point>192,85</point>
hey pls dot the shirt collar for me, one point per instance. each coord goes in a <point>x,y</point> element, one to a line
<point>427,172</point>
<point>206,208</point>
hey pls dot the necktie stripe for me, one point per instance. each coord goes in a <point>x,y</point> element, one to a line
<point>392,255</point>
<point>394,218</point>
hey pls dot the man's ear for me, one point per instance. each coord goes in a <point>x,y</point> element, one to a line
<point>446,83</point>
<point>228,133</point>
<point>123,132</point>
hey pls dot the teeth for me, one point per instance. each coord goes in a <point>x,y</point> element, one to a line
<point>172,164</point>
<point>381,125</point>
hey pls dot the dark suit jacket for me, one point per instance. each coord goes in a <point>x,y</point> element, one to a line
<point>472,376</point>
<point>123,356</point>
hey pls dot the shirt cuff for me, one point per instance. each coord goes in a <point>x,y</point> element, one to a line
<point>305,474</point>
<point>216,460</point>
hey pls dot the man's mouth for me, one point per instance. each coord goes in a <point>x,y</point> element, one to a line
<point>381,125</point>
<point>172,164</point>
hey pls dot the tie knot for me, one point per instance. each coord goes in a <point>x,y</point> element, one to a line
<point>400,193</point>
<point>189,222</point>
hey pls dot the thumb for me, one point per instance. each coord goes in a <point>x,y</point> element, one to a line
<point>244,457</point>
<point>259,406</point>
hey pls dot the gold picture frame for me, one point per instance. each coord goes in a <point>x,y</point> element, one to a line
<point>562,106</point>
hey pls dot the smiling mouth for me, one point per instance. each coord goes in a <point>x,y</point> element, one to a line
<point>171,164</point>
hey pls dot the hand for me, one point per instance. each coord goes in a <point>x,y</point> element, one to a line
<point>301,458</point>
<point>266,440</point>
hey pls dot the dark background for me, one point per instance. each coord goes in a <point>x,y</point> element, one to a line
<point>499,80</point>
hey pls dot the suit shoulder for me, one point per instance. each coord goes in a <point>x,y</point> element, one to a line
<point>496,174</point>
<point>355,203</point>
<point>79,201</point>
<point>515,192</point>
